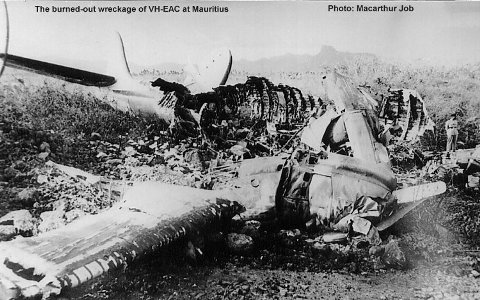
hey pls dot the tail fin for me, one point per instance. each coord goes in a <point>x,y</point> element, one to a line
<point>118,65</point>
<point>209,74</point>
<point>118,68</point>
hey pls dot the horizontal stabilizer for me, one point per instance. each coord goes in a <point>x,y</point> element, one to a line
<point>411,197</point>
<point>419,192</point>
<point>209,74</point>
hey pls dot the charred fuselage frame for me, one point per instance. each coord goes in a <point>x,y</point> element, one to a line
<point>257,101</point>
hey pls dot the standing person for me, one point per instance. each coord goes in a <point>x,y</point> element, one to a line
<point>451,126</point>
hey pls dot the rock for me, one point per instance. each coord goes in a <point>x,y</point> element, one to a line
<point>321,249</point>
<point>457,271</point>
<point>51,220</point>
<point>181,169</point>
<point>444,233</point>
<point>154,145</point>
<point>195,157</point>
<point>20,165</point>
<point>95,136</point>
<point>291,233</point>
<point>289,238</point>
<point>114,161</point>
<point>27,195</point>
<point>360,242</point>
<point>45,147</point>
<point>378,264</point>
<point>473,181</point>
<point>59,205</point>
<point>240,243</point>
<point>157,160</point>
<point>43,155</point>
<point>22,221</point>
<point>7,232</point>
<point>101,154</point>
<point>197,184</point>
<point>373,236</point>
<point>238,150</point>
<point>376,250</point>
<point>394,256</point>
<point>42,179</point>
<point>10,173</point>
<point>252,229</point>
<point>73,215</point>
<point>129,151</point>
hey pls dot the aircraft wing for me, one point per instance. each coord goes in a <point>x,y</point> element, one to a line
<point>4,31</point>
<point>201,77</point>
<point>150,216</point>
<point>118,88</point>
<point>58,71</point>
<point>66,73</point>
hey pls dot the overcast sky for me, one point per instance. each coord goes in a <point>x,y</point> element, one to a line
<point>436,31</point>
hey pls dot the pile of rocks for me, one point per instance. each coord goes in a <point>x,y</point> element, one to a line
<point>56,200</point>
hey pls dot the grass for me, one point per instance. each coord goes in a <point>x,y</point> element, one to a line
<point>55,109</point>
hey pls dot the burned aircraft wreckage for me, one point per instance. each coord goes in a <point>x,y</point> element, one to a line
<point>250,105</point>
<point>402,114</point>
<point>337,178</point>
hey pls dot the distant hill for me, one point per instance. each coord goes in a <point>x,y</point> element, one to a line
<point>328,56</point>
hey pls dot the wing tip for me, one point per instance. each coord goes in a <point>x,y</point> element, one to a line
<point>4,36</point>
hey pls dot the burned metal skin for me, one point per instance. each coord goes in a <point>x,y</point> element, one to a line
<point>342,174</point>
<point>323,189</point>
<point>404,116</point>
<point>341,177</point>
<point>152,215</point>
<point>341,170</point>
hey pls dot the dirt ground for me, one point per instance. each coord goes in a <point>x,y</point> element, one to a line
<point>237,277</point>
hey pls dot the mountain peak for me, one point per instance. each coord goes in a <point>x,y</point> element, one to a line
<point>326,49</point>
<point>328,56</point>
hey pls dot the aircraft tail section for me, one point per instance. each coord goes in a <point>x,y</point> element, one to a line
<point>118,68</point>
<point>117,64</point>
<point>209,74</point>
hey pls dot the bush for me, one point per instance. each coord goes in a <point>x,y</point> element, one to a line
<point>73,114</point>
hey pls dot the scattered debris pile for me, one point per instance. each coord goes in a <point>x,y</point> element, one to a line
<point>339,179</point>
<point>347,182</point>
<point>461,168</point>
